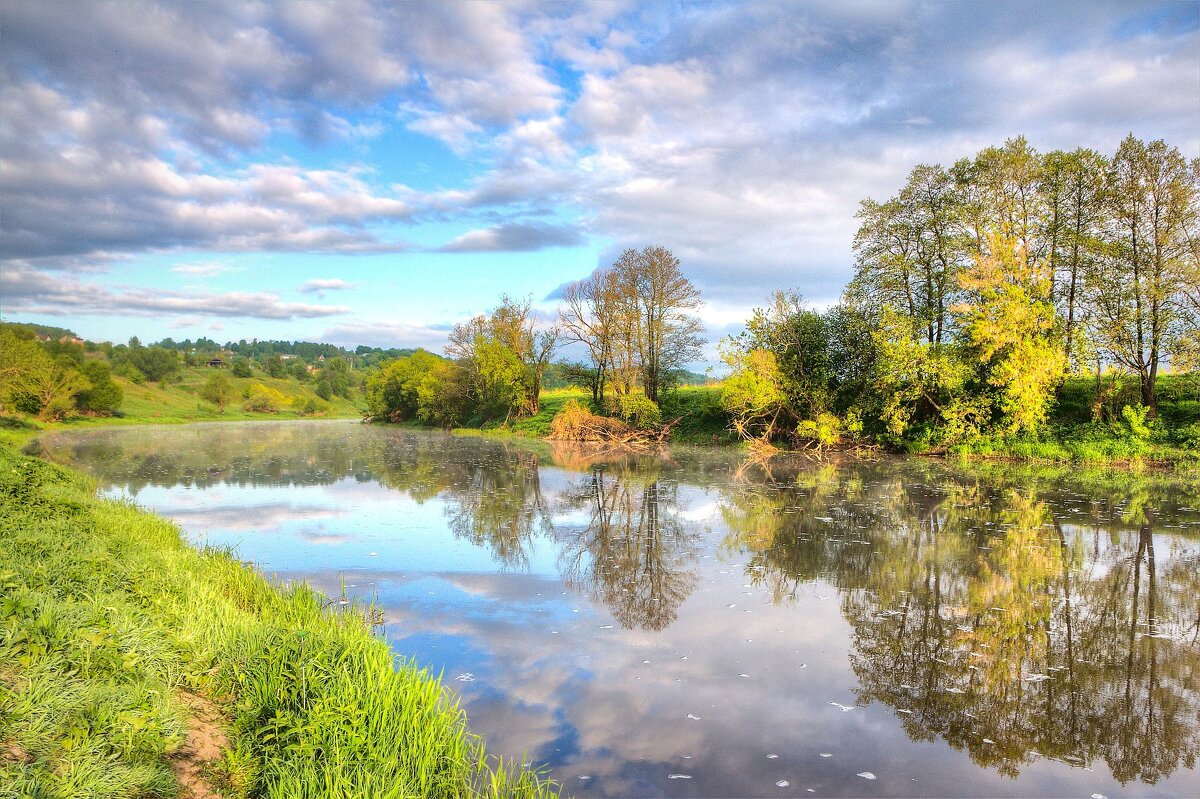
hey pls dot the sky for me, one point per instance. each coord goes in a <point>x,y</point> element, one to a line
<point>372,173</point>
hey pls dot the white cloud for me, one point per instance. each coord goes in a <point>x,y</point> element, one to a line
<point>29,291</point>
<point>740,136</point>
<point>201,269</point>
<point>321,285</point>
<point>388,334</point>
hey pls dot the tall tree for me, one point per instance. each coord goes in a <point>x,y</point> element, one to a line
<point>1073,188</point>
<point>588,317</point>
<point>1137,290</point>
<point>670,333</point>
<point>504,356</point>
<point>1008,324</point>
<point>637,320</point>
<point>908,251</point>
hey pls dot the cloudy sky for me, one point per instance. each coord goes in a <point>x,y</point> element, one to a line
<point>370,173</point>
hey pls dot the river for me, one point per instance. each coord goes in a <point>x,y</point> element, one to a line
<point>689,623</point>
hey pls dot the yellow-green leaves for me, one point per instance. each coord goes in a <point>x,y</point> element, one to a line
<point>1008,324</point>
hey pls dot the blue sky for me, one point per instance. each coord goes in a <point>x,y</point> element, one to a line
<point>371,173</point>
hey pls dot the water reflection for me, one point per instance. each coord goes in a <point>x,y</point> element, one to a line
<point>635,555</point>
<point>1022,616</point>
<point>985,618</point>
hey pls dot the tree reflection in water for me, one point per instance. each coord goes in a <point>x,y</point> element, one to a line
<point>634,555</point>
<point>986,618</point>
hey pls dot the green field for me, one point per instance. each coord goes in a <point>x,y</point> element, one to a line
<point>178,401</point>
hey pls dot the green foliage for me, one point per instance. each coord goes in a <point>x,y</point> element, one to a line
<point>310,406</point>
<point>241,367</point>
<point>636,410</point>
<point>263,399</point>
<point>753,394</point>
<point>1008,326</point>
<point>922,386</point>
<point>421,386</point>
<point>1134,417</point>
<point>102,396</point>
<point>153,363</point>
<point>218,390</point>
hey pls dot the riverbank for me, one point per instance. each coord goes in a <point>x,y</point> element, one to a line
<point>114,632</point>
<point>1070,437</point>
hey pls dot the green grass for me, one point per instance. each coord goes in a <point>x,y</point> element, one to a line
<point>702,419</point>
<point>178,401</point>
<point>105,614</point>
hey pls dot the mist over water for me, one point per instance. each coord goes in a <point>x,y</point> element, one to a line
<point>694,624</point>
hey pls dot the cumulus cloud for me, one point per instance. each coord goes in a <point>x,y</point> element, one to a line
<point>740,136</point>
<point>321,285</point>
<point>201,269</point>
<point>30,291</point>
<point>515,237</point>
<point>389,334</point>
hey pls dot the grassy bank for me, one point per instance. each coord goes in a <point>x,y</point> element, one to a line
<point>109,621</point>
<point>179,400</point>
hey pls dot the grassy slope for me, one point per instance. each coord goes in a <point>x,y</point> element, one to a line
<point>105,613</point>
<point>177,402</point>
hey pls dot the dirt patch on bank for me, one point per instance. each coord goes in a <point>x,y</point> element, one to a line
<point>205,742</point>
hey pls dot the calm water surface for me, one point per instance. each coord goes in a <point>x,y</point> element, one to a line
<point>693,625</point>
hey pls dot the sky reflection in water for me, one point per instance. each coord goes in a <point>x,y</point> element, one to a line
<point>692,625</point>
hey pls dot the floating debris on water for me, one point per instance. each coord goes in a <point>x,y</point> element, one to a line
<point>866,775</point>
<point>1036,677</point>
<point>772,757</point>
<point>693,718</point>
<point>827,754</point>
<point>679,776</point>
<point>466,676</point>
<point>841,707</point>
<point>782,784</point>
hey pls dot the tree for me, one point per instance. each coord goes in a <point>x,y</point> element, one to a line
<point>1073,184</point>
<point>218,390</point>
<point>418,386</point>
<point>22,361</point>
<point>637,319</point>
<point>909,249</point>
<point>1137,289</point>
<point>1008,324</point>
<point>503,357</point>
<point>588,318</point>
<point>54,388</point>
<point>102,395</point>
<point>241,367</point>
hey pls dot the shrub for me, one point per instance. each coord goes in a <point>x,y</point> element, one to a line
<point>576,423</point>
<point>262,399</point>
<point>308,406</point>
<point>636,410</point>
